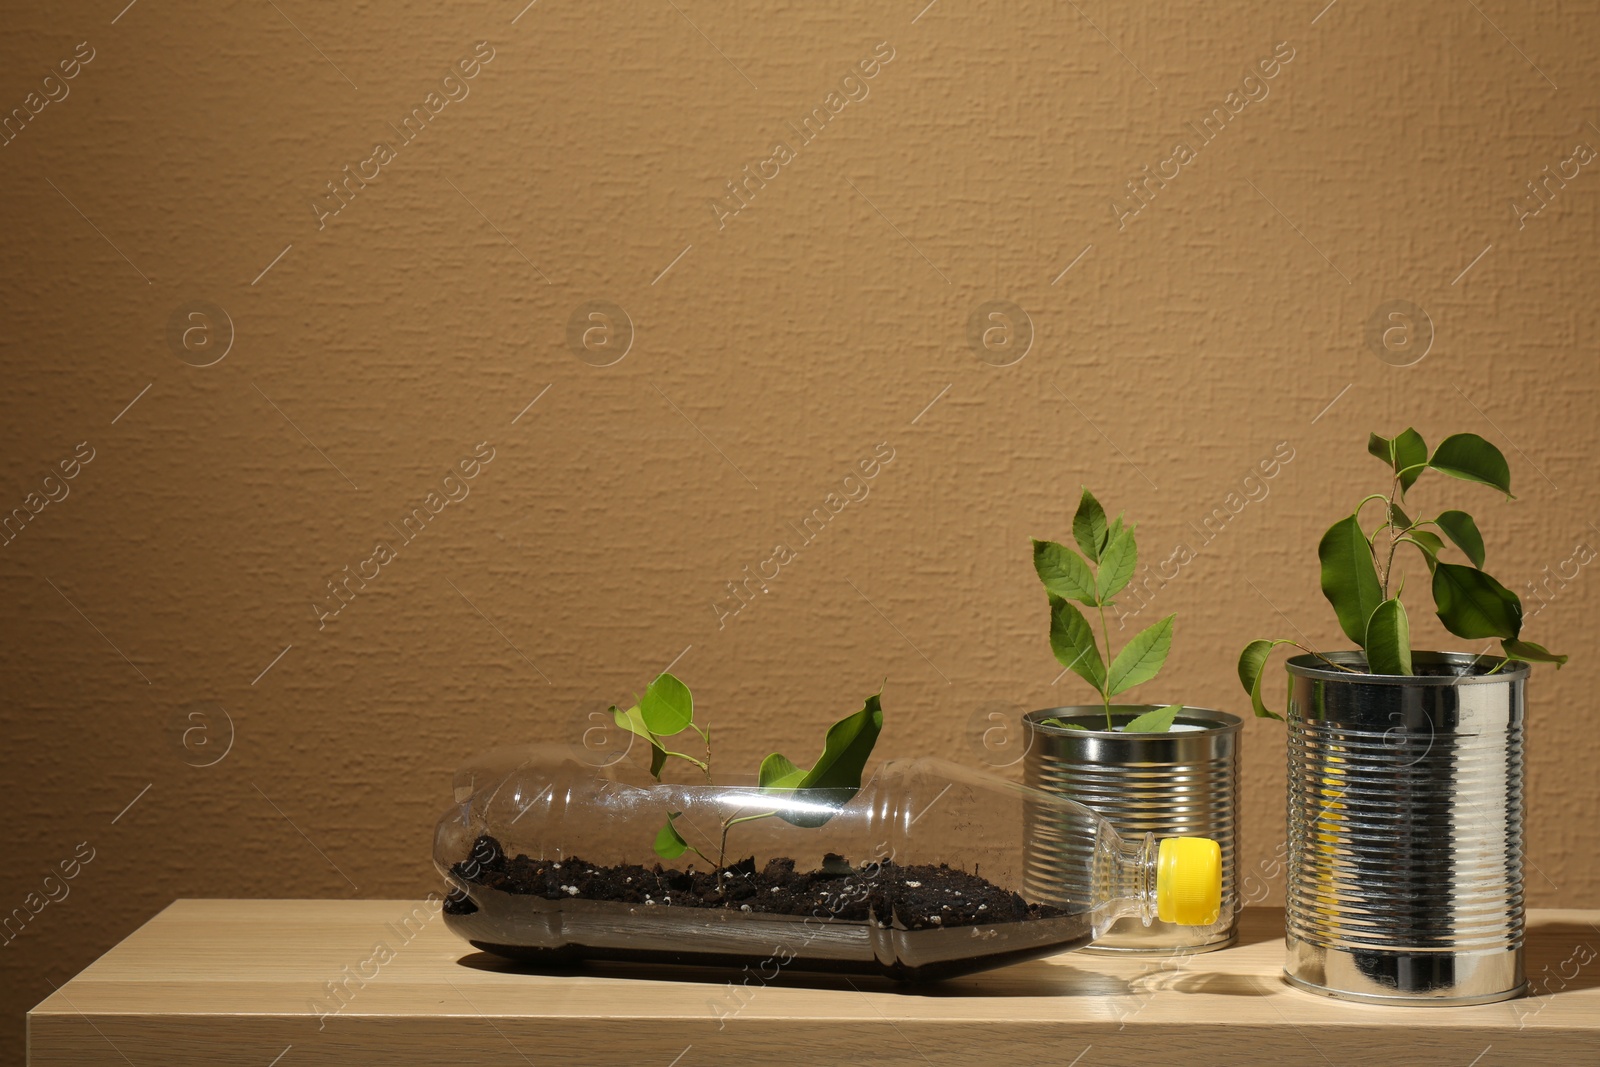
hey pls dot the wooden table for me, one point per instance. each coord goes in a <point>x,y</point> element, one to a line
<point>247,982</point>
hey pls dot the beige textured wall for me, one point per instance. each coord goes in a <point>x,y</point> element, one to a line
<point>772,351</point>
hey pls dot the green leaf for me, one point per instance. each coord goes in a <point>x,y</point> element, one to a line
<point>1089,526</point>
<point>1072,640</point>
<point>1252,665</point>
<point>777,772</point>
<point>1349,578</point>
<point>1531,653</point>
<point>1410,457</point>
<point>1141,658</point>
<point>1252,660</point>
<point>1470,458</point>
<point>630,721</point>
<point>1388,642</point>
<point>846,748</point>
<point>669,843</point>
<point>1063,572</point>
<point>666,707</point>
<point>1063,725</point>
<point>1472,604</point>
<point>633,722</point>
<point>1406,454</point>
<point>837,771</point>
<point>1459,527</point>
<point>1429,543</point>
<point>1117,564</point>
<point>1399,518</point>
<point>1158,721</point>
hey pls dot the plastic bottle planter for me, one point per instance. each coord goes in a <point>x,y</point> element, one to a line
<point>1184,783</point>
<point>1405,831</point>
<point>918,876</point>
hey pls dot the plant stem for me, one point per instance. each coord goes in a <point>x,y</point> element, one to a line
<point>705,735</point>
<point>1105,680</point>
<point>704,768</point>
<point>1369,498</point>
<point>1394,540</point>
<point>1325,659</point>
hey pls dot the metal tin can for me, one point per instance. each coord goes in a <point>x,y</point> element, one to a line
<point>1405,831</point>
<point>1176,784</point>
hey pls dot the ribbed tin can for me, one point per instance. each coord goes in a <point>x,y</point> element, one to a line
<point>1184,783</point>
<point>1405,831</point>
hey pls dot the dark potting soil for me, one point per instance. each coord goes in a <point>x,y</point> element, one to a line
<point>919,897</point>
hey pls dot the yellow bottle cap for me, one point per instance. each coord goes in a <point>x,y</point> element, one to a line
<point>1189,881</point>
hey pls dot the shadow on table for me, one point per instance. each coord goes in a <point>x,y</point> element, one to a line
<point>1222,985</point>
<point>1037,978</point>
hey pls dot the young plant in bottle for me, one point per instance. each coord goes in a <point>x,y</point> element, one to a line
<point>667,710</point>
<point>1362,577</point>
<point>1093,579</point>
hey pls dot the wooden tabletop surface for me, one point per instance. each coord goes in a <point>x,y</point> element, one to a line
<point>248,982</point>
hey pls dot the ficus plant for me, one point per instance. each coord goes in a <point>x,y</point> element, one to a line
<point>1362,577</point>
<point>666,711</point>
<point>1093,579</point>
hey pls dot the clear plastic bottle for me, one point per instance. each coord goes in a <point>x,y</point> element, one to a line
<point>917,876</point>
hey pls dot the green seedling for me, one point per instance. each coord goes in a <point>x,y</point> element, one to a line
<point>1360,569</point>
<point>1093,579</point>
<point>666,711</point>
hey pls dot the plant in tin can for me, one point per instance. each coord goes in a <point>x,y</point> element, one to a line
<point>1093,579</point>
<point>1360,570</point>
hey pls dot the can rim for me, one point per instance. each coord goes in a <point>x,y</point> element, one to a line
<point>1461,667</point>
<point>1214,722</point>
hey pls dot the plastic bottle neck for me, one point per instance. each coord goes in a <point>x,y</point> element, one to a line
<point>1128,874</point>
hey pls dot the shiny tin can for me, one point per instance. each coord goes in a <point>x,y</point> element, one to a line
<point>1405,830</point>
<point>1181,783</point>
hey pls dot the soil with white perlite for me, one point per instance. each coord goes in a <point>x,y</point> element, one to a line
<point>917,897</point>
